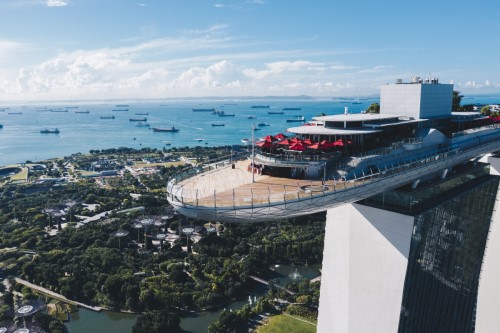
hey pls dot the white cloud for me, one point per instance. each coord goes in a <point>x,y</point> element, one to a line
<point>140,4</point>
<point>56,3</point>
<point>219,5</point>
<point>283,66</point>
<point>376,69</point>
<point>342,67</point>
<point>479,85</point>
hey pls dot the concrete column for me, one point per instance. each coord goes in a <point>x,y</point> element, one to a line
<point>364,268</point>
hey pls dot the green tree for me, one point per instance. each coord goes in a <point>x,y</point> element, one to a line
<point>373,108</point>
<point>456,101</point>
<point>157,322</point>
<point>486,110</point>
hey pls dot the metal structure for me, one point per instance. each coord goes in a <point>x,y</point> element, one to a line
<point>119,234</point>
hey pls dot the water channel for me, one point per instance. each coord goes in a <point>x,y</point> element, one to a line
<point>85,321</point>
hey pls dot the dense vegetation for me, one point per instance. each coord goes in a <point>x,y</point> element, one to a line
<point>86,264</point>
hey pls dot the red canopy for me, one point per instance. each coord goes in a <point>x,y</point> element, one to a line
<point>280,136</point>
<point>285,142</point>
<point>297,146</point>
<point>318,145</point>
<point>326,143</point>
<point>314,146</point>
<point>270,138</point>
<point>294,140</point>
<point>338,143</point>
<point>307,142</point>
<point>264,144</point>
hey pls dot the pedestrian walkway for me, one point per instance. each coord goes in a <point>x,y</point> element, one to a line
<point>57,296</point>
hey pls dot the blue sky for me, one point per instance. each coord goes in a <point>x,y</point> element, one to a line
<point>96,49</point>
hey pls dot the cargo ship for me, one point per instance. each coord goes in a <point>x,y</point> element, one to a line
<point>165,129</point>
<point>50,131</point>
<point>204,110</point>
<point>260,107</point>
<point>138,119</point>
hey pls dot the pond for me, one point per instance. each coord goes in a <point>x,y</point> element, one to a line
<point>85,321</point>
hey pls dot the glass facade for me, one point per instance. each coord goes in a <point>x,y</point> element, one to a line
<point>451,223</point>
<point>444,264</point>
<point>410,201</point>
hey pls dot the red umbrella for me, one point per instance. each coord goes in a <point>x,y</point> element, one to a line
<point>269,138</point>
<point>326,143</point>
<point>297,146</point>
<point>338,143</point>
<point>294,140</point>
<point>264,144</point>
<point>280,136</point>
<point>307,142</point>
<point>314,146</point>
<point>284,142</point>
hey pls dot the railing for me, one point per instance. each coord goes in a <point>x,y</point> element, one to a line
<point>211,165</point>
<point>277,194</point>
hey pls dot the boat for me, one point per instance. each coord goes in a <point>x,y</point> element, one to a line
<point>251,117</point>
<point>198,139</point>
<point>50,131</point>
<point>165,129</point>
<point>71,107</point>
<point>244,140</point>
<point>1,126</point>
<point>260,107</point>
<point>122,105</point>
<point>119,110</point>
<point>14,113</point>
<point>142,124</point>
<point>262,124</point>
<point>58,110</point>
<point>348,158</point>
<point>142,113</point>
<point>257,129</point>
<point>82,111</point>
<point>218,124</point>
<point>357,102</point>
<point>223,114</point>
<point>291,109</point>
<point>296,119</point>
<point>138,119</point>
<point>107,117</point>
<point>275,112</point>
<point>204,110</point>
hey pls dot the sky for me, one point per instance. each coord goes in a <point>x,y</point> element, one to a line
<point>102,49</point>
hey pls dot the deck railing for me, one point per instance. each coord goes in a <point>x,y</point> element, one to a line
<point>278,194</point>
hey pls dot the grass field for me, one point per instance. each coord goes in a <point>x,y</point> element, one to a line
<point>287,324</point>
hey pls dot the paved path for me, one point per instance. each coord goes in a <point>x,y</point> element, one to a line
<point>56,295</point>
<point>258,279</point>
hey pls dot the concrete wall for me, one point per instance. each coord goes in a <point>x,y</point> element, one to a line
<point>424,101</point>
<point>364,267</point>
<point>488,300</point>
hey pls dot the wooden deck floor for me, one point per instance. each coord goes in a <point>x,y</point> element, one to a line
<point>228,187</point>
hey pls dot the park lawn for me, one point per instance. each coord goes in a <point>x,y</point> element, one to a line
<point>286,324</point>
<point>21,176</point>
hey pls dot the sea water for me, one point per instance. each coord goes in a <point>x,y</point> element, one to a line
<point>21,140</point>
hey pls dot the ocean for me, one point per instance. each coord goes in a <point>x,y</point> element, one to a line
<point>21,140</point>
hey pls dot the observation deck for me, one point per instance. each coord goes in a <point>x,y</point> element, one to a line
<point>228,194</point>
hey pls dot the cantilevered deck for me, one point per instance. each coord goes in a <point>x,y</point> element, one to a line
<point>229,195</point>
